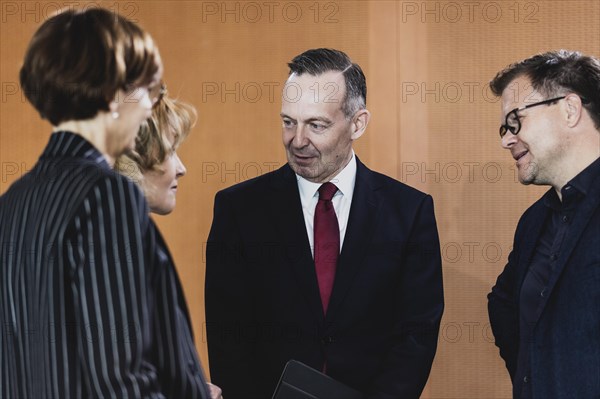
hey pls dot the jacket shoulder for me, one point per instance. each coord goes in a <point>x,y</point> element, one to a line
<point>393,186</point>
<point>257,185</point>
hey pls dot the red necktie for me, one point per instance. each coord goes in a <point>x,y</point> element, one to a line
<point>327,242</point>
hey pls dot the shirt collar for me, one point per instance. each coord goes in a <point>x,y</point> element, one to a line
<point>583,181</point>
<point>577,187</point>
<point>344,181</point>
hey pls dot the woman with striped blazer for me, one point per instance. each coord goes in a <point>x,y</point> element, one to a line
<point>90,303</point>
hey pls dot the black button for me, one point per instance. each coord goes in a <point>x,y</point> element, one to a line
<point>565,219</point>
<point>525,379</point>
<point>553,257</point>
<point>543,293</point>
<point>328,340</point>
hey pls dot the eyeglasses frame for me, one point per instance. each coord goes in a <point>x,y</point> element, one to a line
<point>507,128</point>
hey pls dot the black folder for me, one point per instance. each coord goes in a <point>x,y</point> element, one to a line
<point>298,381</point>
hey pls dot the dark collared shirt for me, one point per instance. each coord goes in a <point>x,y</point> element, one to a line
<point>547,251</point>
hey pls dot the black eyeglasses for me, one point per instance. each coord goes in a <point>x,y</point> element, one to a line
<point>513,123</point>
<point>156,93</point>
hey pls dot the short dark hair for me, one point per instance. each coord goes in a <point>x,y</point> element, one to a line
<point>556,72</point>
<point>78,60</point>
<point>318,61</point>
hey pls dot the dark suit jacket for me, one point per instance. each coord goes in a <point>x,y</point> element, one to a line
<point>262,300</point>
<point>565,347</point>
<point>90,302</point>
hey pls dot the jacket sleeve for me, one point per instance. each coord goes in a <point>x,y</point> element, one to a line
<point>229,309</point>
<point>419,304</point>
<point>504,312</point>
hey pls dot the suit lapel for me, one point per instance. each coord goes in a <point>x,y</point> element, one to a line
<point>580,222</point>
<point>286,209</point>
<point>359,232</point>
<point>531,235</point>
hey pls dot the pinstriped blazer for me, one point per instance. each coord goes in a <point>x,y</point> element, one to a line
<point>90,302</point>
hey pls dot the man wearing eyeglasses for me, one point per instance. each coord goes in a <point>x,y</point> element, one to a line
<point>545,306</point>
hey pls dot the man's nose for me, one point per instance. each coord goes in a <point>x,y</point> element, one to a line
<point>300,138</point>
<point>509,140</point>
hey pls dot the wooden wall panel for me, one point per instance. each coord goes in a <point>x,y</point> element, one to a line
<point>433,124</point>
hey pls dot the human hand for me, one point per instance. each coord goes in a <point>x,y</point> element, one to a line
<point>215,391</point>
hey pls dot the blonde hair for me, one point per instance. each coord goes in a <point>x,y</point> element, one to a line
<point>159,135</point>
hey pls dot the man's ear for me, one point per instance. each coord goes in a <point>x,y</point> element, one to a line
<point>359,123</point>
<point>574,109</point>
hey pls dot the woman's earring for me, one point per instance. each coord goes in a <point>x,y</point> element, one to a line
<point>115,115</point>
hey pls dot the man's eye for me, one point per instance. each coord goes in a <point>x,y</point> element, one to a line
<point>317,126</point>
<point>512,119</point>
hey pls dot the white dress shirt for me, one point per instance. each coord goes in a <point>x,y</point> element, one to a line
<point>309,196</point>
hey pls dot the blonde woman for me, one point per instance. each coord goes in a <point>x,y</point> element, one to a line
<point>154,163</point>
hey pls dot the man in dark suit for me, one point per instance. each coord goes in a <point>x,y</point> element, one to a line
<point>545,306</point>
<point>323,261</point>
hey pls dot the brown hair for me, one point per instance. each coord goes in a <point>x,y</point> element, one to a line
<point>555,73</point>
<point>78,60</point>
<point>163,132</point>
